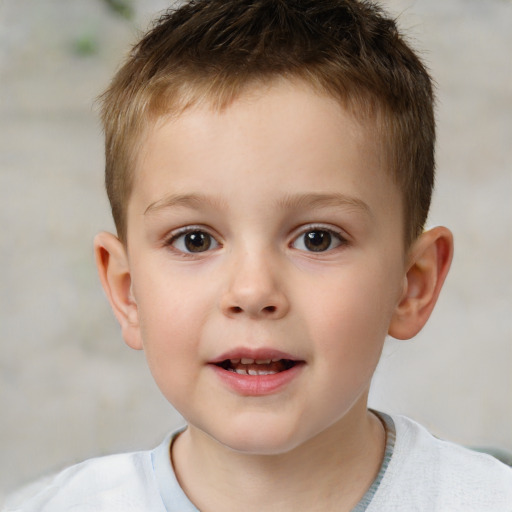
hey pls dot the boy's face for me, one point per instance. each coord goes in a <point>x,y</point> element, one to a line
<point>270,231</point>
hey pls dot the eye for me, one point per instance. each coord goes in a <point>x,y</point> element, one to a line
<point>193,241</point>
<point>318,240</point>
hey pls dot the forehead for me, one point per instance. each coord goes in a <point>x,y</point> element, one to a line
<point>281,137</point>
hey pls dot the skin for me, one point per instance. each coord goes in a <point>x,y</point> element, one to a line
<point>277,165</point>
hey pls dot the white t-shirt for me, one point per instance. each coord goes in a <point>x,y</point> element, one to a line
<point>427,474</point>
<point>419,473</point>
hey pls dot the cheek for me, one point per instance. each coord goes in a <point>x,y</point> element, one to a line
<point>171,318</point>
<point>351,316</point>
<point>169,303</point>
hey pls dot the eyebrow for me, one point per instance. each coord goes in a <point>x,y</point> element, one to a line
<point>183,200</point>
<point>313,200</point>
<point>292,201</point>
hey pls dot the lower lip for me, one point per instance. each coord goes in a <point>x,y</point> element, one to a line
<point>257,385</point>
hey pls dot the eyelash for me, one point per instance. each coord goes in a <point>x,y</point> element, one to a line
<point>333,237</point>
<point>182,233</point>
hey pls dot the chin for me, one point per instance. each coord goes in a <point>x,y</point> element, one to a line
<point>260,439</point>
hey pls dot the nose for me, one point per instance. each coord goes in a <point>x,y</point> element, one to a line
<point>254,289</point>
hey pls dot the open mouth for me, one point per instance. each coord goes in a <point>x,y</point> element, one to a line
<point>246,366</point>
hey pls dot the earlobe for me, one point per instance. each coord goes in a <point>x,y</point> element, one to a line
<point>428,264</point>
<point>114,272</point>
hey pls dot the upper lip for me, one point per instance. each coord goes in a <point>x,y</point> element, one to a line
<point>257,354</point>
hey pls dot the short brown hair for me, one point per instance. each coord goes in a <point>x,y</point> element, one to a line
<point>213,49</point>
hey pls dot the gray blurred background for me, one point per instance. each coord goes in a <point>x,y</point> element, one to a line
<point>70,389</point>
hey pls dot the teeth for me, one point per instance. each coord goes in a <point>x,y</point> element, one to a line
<point>252,371</point>
<point>261,372</point>
<point>249,366</point>
<point>246,360</point>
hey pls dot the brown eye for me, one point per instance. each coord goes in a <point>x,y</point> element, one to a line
<point>317,240</point>
<point>194,241</point>
<point>197,241</point>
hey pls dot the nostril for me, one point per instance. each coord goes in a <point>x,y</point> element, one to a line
<point>264,311</point>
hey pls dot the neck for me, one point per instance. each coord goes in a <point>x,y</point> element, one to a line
<point>331,471</point>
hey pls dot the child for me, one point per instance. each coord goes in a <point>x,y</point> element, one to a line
<point>270,166</point>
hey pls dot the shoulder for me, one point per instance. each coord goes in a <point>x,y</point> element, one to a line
<point>123,482</point>
<point>426,473</point>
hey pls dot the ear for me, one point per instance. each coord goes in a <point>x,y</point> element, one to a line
<point>114,272</point>
<point>428,263</point>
